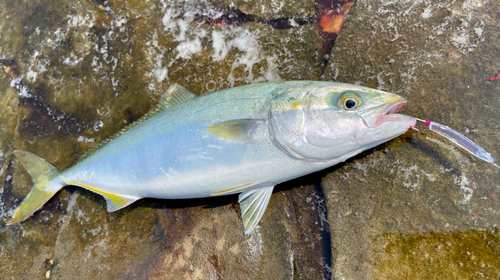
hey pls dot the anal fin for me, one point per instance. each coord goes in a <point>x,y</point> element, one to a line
<point>117,202</point>
<point>253,204</point>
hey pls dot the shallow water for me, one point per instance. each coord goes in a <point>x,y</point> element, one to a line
<point>416,207</point>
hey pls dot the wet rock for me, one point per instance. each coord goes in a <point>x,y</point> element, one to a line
<point>439,56</point>
<point>108,62</point>
<point>212,244</point>
<point>87,70</point>
<point>78,70</point>
<point>233,56</point>
<point>107,244</point>
<point>8,122</point>
<point>427,255</point>
<point>269,9</point>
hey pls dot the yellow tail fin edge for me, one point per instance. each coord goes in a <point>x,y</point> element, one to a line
<point>46,185</point>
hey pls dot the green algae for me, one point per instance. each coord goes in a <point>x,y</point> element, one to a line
<point>473,254</point>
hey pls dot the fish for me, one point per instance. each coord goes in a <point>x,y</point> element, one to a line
<point>244,140</point>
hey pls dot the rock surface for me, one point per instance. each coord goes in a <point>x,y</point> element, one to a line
<point>91,68</point>
<point>415,207</point>
<point>271,9</point>
<point>76,73</point>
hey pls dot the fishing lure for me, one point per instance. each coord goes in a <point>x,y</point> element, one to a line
<point>459,140</point>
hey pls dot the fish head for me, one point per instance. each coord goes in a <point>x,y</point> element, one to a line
<point>325,121</point>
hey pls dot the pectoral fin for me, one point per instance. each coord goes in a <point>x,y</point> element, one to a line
<point>253,204</point>
<point>239,130</point>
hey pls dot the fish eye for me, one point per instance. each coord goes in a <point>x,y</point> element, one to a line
<point>349,101</point>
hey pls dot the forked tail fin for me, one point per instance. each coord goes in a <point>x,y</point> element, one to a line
<point>44,187</point>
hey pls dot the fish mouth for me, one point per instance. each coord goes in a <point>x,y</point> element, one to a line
<point>384,113</point>
<point>389,114</point>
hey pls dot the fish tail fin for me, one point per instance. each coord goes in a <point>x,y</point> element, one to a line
<point>44,186</point>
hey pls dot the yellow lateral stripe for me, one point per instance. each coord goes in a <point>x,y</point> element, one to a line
<point>113,197</point>
<point>114,201</point>
<point>233,189</point>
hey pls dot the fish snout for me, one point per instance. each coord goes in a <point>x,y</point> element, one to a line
<point>386,112</point>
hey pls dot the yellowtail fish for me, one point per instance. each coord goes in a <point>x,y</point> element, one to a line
<point>241,140</point>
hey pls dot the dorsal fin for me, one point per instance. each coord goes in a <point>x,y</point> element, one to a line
<point>175,95</point>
